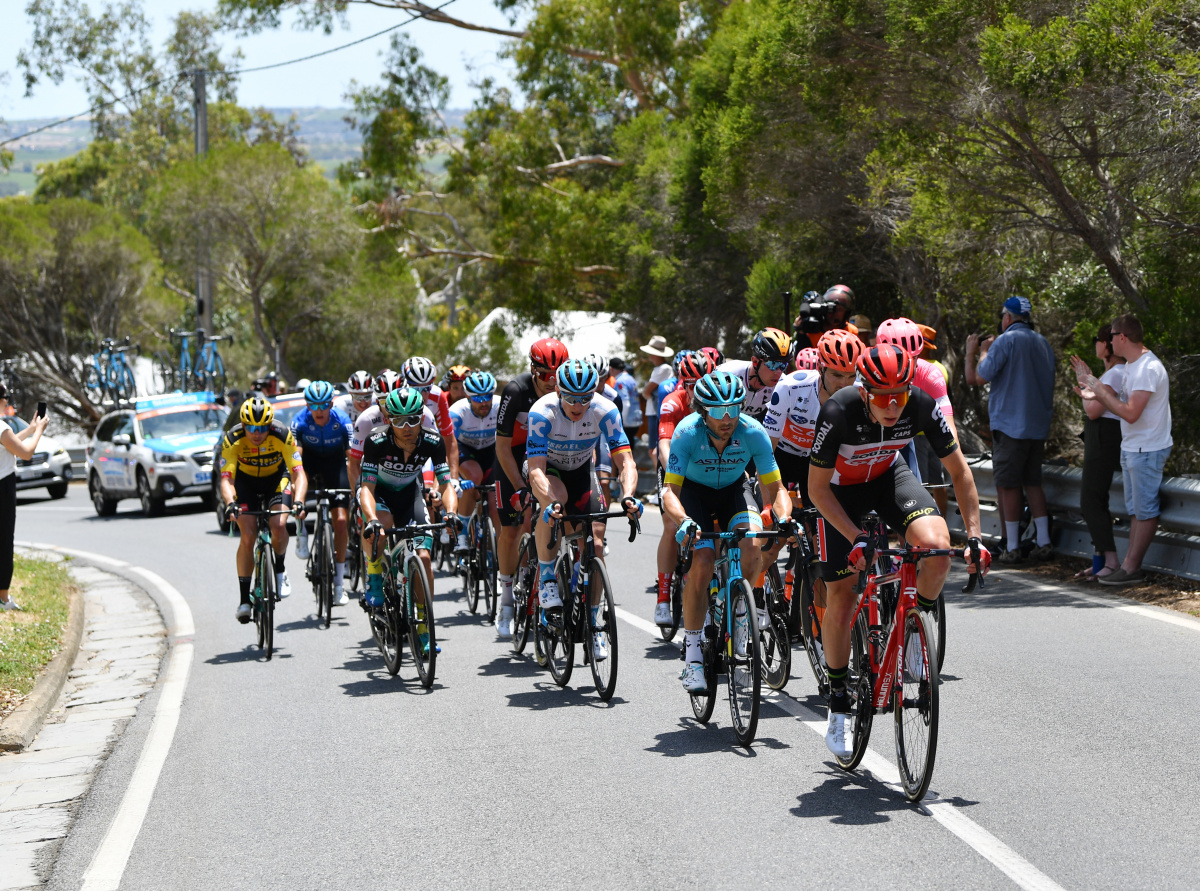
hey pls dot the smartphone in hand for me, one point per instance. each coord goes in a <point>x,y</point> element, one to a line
<point>41,410</point>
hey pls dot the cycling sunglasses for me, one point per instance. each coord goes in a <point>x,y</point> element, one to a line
<point>541,372</point>
<point>886,400</point>
<point>425,390</point>
<point>320,406</point>
<point>717,412</point>
<point>257,428</point>
<point>405,421</point>
<point>577,400</point>
<point>776,364</point>
<point>480,400</point>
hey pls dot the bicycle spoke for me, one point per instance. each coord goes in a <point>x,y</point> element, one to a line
<point>916,707</point>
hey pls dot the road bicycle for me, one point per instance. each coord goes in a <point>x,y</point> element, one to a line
<point>320,567</point>
<point>588,611</point>
<point>728,644</point>
<point>407,609</point>
<point>441,553</point>
<point>791,601</point>
<point>207,372</point>
<point>263,594</point>
<point>893,657</point>
<point>11,378</point>
<point>356,565</point>
<point>668,632</point>
<point>109,376</point>
<point>526,583</point>
<point>478,566</point>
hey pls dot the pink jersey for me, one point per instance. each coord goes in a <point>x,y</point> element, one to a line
<point>930,379</point>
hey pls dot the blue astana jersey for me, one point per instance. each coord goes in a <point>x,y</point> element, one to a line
<point>695,458</point>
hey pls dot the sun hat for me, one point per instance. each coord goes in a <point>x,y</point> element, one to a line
<point>658,347</point>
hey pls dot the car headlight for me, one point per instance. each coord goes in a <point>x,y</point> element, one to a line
<point>168,458</point>
<point>60,452</point>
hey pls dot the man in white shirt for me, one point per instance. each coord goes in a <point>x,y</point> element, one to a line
<point>659,353</point>
<point>1144,409</point>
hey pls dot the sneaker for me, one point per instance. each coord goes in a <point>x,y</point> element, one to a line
<point>504,623</point>
<point>1011,558</point>
<point>839,735</point>
<point>548,596</point>
<point>9,604</point>
<point>662,615</point>
<point>302,547</point>
<point>243,613</point>
<point>285,587</point>
<point>339,597</point>
<point>1044,552</point>
<point>1122,577</point>
<point>600,646</point>
<point>693,678</point>
<point>374,593</point>
<point>606,548</point>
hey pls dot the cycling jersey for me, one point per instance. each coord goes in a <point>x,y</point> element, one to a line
<point>240,456</point>
<point>385,464</point>
<point>345,404</point>
<point>372,421</point>
<point>858,450</point>
<point>695,458</point>
<point>930,379</point>
<point>665,389</point>
<point>755,403</point>
<point>470,429</point>
<point>329,440</point>
<point>513,418</point>
<point>792,414</point>
<point>567,444</point>
<point>674,409</point>
<point>438,403</point>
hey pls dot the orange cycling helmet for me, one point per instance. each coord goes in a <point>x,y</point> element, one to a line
<point>549,352</point>
<point>904,333</point>
<point>458,372</point>
<point>770,345</point>
<point>886,366</point>
<point>839,349</point>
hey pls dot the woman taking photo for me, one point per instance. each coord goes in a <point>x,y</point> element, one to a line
<point>12,446</point>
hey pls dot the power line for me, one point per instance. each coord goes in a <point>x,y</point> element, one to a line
<point>153,84</point>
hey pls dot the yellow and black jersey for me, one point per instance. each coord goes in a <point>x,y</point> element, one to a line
<point>277,451</point>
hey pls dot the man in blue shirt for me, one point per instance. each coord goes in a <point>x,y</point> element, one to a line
<point>1019,365</point>
<point>631,409</point>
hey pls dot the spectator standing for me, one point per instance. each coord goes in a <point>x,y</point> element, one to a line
<point>1144,407</point>
<point>659,353</point>
<point>1019,364</point>
<point>932,471</point>
<point>12,446</point>
<point>1101,459</point>
<point>626,386</point>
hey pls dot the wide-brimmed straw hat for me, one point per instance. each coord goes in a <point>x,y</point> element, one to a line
<point>658,347</point>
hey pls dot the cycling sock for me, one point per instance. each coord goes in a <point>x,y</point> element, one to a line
<point>761,579</point>
<point>1012,531</point>
<point>244,585</point>
<point>839,699</point>
<point>506,583</point>
<point>279,570</point>
<point>463,520</point>
<point>691,640</point>
<point>375,567</point>
<point>596,614</point>
<point>547,570</point>
<point>1043,530</point>
<point>926,606</point>
<point>664,587</point>
<point>339,573</point>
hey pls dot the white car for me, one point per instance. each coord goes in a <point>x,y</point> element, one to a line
<point>161,448</point>
<point>50,465</point>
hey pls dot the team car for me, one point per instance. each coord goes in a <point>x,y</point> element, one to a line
<point>160,448</point>
<point>50,466</point>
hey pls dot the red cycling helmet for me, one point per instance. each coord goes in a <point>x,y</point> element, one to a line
<point>718,358</point>
<point>694,366</point>
<point>839,349</point>
<point>549,352</point>
<point>807,359</point>
<point>886,366</point>
<point>904,333</point>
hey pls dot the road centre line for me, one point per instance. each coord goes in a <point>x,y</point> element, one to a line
<point>996,852</point>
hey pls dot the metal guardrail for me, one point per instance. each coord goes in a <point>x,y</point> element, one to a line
<point>1176,547</point>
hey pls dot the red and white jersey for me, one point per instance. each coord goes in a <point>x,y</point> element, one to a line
<point>438,402</point>
<point>755,403</point>
<point>676,407</point>
<point>792,413</point>
<point>372,421</point>
<point>930,379</point>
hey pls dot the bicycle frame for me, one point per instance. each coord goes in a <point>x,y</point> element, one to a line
<point>728,570</point>
<point>586,555</point>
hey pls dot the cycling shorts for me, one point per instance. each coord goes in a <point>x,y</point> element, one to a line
<point>255,493</point>
<point>895,495</point>
<point>583,489</point>
<point>328,471</point>
<point>794,473</point>
<point>485,458</point>
<point>406,506</point>
<point>727,507</point>
<point>508,504</point>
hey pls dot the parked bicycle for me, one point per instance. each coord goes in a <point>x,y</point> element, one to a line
<point>108,377</point>
<point>479,566</point>
<point>205,372</point>
<point>320,567</point>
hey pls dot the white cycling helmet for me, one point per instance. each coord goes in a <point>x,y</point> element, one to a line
<point>419,372</point>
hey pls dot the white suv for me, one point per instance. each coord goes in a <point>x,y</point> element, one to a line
<point>50,466</point>
<point>161,448</point>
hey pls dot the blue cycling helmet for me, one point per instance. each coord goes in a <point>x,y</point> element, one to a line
<point>719,388</point>
<point>480,383</point>
<point>318,393</point>
<point>577,378</point>
<point>678,360</point>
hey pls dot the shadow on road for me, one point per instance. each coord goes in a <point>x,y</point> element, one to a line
<point>694,738</point>
<point>510,665</point>
<point>662,651</point>
<point>461,618</point>
<point>250,654</point>
<point>311,622</point>
<point>851,800</point>
<point>546,696</point>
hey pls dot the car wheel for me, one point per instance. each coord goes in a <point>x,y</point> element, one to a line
<point>222,520</point>
<point>208,500</point>
<point>104,505</point>
<point>57,490</point>
<point>152,505</point>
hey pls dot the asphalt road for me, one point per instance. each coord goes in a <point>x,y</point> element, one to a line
<point>1068,739</point>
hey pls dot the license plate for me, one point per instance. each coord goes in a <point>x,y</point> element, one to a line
<point>203,476</point>
<point>30,474</point>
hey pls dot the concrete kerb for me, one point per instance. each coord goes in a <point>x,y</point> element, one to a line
<point>20,729</point>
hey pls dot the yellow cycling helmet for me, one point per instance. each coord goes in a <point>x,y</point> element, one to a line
<point>458,372</point>
<point>256,412</point>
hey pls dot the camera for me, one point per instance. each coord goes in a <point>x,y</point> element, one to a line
<point>815,313</point>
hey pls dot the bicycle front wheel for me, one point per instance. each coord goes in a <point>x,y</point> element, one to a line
<point>668,632</point>
<point>938,620</point>
<point>422,636</point>
<point>703,704</point>
<point>860,683</point>
<point>802,592</point>
<point>525,594</point>
<point>390,625</point>
<point>268,588</point>
<point>602,630</point>
<point>774,640</point>
<point>744,663</point>
<point>488,570</point>
<point>470,571</point>
<point>325,573</point>
<point>916,707</point>
<point>560,639</point>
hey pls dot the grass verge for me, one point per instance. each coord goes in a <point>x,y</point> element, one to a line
<point>31,636</point>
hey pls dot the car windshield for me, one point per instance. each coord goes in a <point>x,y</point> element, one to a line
<point>16,423</point>
<point>182,421</point>
<point>284,411</point>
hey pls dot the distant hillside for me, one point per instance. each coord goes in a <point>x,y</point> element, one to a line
<point>330,142</point>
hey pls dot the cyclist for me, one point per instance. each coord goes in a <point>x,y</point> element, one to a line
<point>373,420</point>
<point>718,358</point>
<point>358,399</point>
<point>323,434</point>
<point>603,460</point>
<point>453,382</point>
<point>807,359</point>
<point>855,468</point>
<point>512,431</point>
<point>474,419</point>
<point>260,469</point>
<point>419,374</point>
<point>706,483</point>
<point>770,355</point>
<point>564,428</point>
<point>392,493</point>
<point>675,408</point>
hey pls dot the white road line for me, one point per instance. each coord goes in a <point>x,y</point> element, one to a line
<point>108,863</point>
<point>1158,613</point>
<point>996,852</point>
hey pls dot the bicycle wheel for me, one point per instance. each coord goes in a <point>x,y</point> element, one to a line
<point>487,570</point>
<point>938,620</point>
<point>217,375</point>
<point>470,573</point>
<point>916,707</point>
<point>422,635</point>
<point>604,672</point>
<point>93,383</point>
<point>809,630</point>
<point>262,594</point>
<point>774,641</point>
<point>744,664</point>
<point>524,595</point>
<point>861,684</point>
<point>560,639</point>
<point>269,598</point>
<point>704,703</point>
<point>313,573</point>
<point>668,632</point>
<point>355,571</point>
<point>126,385</point>
<point>390,625</point>
<point>325,573</point>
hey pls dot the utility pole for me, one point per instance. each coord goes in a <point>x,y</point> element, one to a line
<point>204,295</point>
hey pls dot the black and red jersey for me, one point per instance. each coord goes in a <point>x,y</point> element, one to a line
<point>513,417</point>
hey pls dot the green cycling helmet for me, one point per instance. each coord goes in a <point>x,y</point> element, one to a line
<point>404,401</point>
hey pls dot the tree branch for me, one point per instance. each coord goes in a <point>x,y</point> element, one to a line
<point>571,163</point>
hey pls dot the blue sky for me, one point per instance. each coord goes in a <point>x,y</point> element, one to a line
<point>463,56</point>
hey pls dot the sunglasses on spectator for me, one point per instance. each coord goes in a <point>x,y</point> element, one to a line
<point>405,421</point>
<point>541,372</point>
<point>480,400</point>
<point>717,412</point>
<point>577,400</point>
<point>257,428</point>
<point>887,400</point>
<point>776,364</point>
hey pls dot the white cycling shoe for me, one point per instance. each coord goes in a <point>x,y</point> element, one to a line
<point>339,597</point>
<point>599,646</point>
<point>284,586</point>
<point>764,620</point>
<point>504,623</point>
<point>244,612</point>
<point>302,546</point>
<point>693,678</point>
<point>662,615</point>
<point>548,596</point>
<point>839,734</point>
